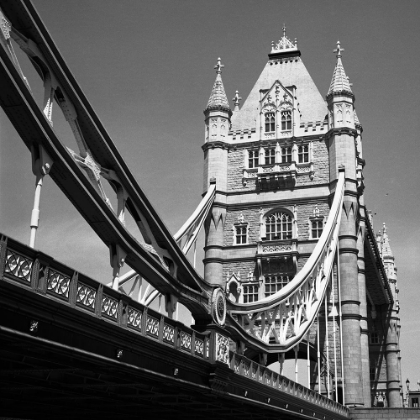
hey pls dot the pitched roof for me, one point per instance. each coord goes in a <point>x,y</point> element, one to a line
<point>290,71</point>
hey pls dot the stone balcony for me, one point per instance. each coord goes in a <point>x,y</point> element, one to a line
<point>277,247</point>
<point>278,175</point>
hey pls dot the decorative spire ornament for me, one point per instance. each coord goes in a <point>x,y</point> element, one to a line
<point>236,100</point>
<point>219,66</point>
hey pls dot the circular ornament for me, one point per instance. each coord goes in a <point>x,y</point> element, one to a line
<point>219,306</point>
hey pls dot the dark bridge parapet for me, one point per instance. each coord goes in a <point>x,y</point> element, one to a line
<point>72,347</point>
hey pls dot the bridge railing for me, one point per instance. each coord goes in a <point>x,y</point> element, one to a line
<point>43,275</point>
<point>243,366</point>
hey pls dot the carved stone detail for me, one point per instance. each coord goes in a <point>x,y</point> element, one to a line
<point>222,348</point>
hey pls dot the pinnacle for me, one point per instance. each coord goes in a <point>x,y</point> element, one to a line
<point>340,82</point>
<point>218,98</point>
<point>386,247</point>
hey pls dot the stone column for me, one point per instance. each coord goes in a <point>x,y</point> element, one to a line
<point>350,299</point>
<point>213,266</point>
<point>392,371</point>
<point>364,334</point>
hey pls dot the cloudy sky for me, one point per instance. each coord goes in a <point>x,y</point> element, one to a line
<point>147,69</point>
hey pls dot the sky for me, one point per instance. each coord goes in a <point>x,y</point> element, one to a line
<point>147,69</point>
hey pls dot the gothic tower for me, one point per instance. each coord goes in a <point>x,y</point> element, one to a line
<point>275,162</point>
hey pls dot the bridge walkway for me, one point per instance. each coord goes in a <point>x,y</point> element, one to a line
<point>74,348</point>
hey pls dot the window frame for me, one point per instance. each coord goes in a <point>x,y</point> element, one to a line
<point>286,120</point>
<point>269,122</point>
<point>303,153</point>
<point>270,156</point>
<point>374,337</point>
<point>317,229</point>
<point>253,158</point>
<point>246,294</point>
<point>286,154</point>
<point>286,226</point>
<point>242,234</point>
<point>280,281</point>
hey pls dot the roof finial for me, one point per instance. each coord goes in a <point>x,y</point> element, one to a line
<point>236,100</point>
<point>219,66</point>
<point>284,29</point>
<point>338,50</point>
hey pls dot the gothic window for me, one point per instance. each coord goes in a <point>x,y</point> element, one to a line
<point>286,154</point>
<point>303,154</point>
<point>250,293</point>
<point>374,338</point>
<point>240,234</point>
<point>278,225</point>
<point>286,120</point>
<point>270,156</point>
<point>317,225</point>
<point>270,122</point>
<point>274,282</point>
<point>252,159</point>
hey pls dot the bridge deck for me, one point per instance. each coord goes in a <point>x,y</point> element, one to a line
<point>71,347</point>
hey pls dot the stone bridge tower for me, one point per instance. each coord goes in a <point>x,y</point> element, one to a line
<point>275,161</point>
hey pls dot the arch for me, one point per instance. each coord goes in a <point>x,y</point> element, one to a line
<point>286,119</point>
<point>269,121</point>
<point>278,225</point>
<point>233,289</point>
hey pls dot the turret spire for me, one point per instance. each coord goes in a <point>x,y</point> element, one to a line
<point>386,247</point>
<point>340,82</point>
<point>218,98</point>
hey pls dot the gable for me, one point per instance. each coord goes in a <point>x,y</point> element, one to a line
<point>289,72</point>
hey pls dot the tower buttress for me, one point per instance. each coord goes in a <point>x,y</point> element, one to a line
<point>217,125</point>
<point>342,153</point>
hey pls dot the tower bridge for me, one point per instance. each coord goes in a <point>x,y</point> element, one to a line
<point>292,268</point>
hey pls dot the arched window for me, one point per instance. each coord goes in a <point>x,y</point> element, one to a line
<point>270,122</point>
<point>278,225</point>
<point>286,120</point>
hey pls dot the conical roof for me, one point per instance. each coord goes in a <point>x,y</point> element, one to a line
<point>340,82</point>
<point>218,98</point>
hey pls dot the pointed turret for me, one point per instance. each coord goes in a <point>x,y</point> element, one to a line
<point>218,98</point>
<point>385,246</point>
<point>341,114</point>
<point>340,82</point>
<point>217,119</point>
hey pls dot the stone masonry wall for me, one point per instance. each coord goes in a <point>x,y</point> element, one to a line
<point>384,413</point>
<point>240,269</point>
<point>237,162</point>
